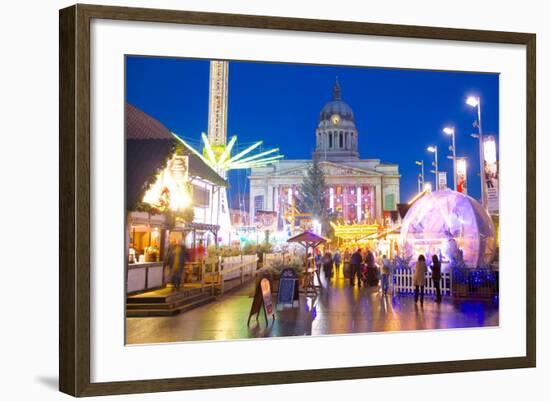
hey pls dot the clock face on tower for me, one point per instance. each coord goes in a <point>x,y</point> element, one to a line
<point>335,119</point>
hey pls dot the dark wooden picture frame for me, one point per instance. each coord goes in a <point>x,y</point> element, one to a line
<point>74,202</point>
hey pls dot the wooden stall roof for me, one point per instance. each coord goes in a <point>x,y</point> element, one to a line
<point>149,144</point>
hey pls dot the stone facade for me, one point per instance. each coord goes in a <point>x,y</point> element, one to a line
<point>356,190</point>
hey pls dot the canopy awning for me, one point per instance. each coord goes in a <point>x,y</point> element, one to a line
<point>308,239</point>
<point>149,147</point>
<point>356,232</point>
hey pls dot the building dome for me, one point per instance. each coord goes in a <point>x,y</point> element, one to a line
<point>336,106</point>
<point>449,224</point>
<point>336,132</point>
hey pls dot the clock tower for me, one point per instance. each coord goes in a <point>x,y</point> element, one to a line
<point>336,134</point>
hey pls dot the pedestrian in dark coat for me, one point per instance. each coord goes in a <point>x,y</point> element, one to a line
<point>419,279</point>
<point>355,267</point>
<point>371,269</point>
<point>436,277</point>
<point>175,260</point>
<point>328,263</point>
<point>337,259</point>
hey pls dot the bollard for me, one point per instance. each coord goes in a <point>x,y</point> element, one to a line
<point>242,270</point>
<point>220,269</point>
<point>203,270</point>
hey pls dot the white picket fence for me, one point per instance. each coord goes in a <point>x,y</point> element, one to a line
<point>237,266</point>
<point>402,280</point>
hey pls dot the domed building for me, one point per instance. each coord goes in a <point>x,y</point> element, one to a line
<point>336,132</point>
<point>358,191</point>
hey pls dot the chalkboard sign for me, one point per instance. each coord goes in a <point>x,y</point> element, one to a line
<point>262,300</point>
<point>266,298</point>
<point>288,288</point>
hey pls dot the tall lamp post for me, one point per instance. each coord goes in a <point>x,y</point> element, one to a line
<point>451,131</point>
<point>475,101</point>
<point>421,177</point>
<point>433,149</point>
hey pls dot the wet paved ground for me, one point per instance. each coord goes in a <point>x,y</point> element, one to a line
<point>337,309</point>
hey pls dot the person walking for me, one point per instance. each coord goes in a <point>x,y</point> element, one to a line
<point>168,261</point>
<point>419,279</point>
<point>318,259</point>
<point>355,267</point>
<point>436,277</point>
<point>328,262</point>
<point>318,264</point>
<point>337,260</point>
<point>175,259</point>
<point>386,274</point>
<point>371,268</point>
<point>346,270</point>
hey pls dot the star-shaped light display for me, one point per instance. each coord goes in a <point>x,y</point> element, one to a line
<point>220,159</point>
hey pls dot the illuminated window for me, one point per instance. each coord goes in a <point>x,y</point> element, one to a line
<point>389,202</point>
<point>201,197</point>
<point>258,202</point>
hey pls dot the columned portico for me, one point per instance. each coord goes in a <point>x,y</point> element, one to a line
<point>357,190</point>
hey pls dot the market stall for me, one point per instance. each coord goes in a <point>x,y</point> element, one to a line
<point>171,198</point>
<point>310,241</point>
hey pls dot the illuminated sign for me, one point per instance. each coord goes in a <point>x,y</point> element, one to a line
<point>461,177</point>
<point>441,180</point>
<point>491,172</point>
<point>217,111</point>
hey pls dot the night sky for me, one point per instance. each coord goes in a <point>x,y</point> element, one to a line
<point>398,112</point>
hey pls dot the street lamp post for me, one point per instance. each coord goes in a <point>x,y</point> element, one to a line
<point>475,101</point>
<point>433,149</point>
<point>451,131</point>
<point>421,178</point>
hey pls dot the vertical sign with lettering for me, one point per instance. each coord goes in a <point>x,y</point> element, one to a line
<point>441,180</point>
<point>217,109</point>
<point>461,180</point>
<point>491,173</point>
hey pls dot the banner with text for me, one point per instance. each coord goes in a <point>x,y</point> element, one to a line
<point>461,177</point>
<point>491,172</point>
<point>441,180</point>
<point>266,220</point>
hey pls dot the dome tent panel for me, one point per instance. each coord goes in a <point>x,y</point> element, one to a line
<point>449,224</point>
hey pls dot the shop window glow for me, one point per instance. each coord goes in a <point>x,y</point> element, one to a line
<point>170,189</point>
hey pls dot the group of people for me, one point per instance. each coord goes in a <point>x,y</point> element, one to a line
<point>329,263</point>
<point>363,270</point>
<point>357,260</point>
<point>419,278</point>
<point>177,255</point>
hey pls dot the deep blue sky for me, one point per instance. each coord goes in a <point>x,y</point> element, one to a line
<point>398,112</point>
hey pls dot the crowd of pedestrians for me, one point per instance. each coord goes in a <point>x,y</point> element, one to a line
<point>363,269</point>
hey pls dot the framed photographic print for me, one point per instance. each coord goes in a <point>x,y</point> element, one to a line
<point>236,190</point>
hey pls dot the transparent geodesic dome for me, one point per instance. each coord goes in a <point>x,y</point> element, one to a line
<point>452,225</point>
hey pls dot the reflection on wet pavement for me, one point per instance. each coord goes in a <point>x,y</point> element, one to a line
<point>337,309</point>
